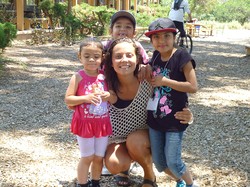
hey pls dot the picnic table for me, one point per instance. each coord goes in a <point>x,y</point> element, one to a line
<point>197,29</point>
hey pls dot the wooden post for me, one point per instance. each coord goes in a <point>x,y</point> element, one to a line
<point>74,2</point>
<point>91,2</point>
<point>79,2</point>
<point>135,5</point>
<point>20,15</point>
<point>118,5</point>
<point>126,5</point>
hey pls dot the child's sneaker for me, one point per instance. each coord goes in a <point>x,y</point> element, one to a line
<point>181,183</point>
<point>193,185</point>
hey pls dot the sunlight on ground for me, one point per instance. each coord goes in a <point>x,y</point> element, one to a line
<point>228,96</point>
<point>40,158</point>
<point>24,144</point>
<point>228,55</point>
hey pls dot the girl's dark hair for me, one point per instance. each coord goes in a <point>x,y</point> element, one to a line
<point>89,42</point>
<point>110,74</point>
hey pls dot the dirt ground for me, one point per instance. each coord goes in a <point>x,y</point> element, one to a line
<point>37,148</point>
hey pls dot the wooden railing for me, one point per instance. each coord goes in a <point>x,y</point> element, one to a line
<point>44,22</point>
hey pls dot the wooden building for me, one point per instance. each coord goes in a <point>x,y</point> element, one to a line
<point>23,8</point>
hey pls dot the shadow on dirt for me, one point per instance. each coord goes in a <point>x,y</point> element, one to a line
<point>217,130</point>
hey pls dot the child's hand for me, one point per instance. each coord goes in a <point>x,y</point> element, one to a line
<point>105,95</point>
<point>71,107</point>
<point>94,98</point>
<point>157,81</point>
<point>109,96</point>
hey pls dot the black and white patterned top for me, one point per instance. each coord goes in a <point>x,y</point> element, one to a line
<point>131,118</point>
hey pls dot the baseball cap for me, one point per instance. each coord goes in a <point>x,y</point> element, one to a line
<point>161,25</point>
<point>123,13</point>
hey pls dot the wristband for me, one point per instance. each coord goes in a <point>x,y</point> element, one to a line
<point>192,120</point>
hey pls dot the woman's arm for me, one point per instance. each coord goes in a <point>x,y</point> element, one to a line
<point>185,116</point>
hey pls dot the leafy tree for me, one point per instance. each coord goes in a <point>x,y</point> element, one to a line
<point>233,10</point>
<point>46,6</point>
<point>59,12</point>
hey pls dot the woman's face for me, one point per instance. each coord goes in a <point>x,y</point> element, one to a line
<point>124,58</point>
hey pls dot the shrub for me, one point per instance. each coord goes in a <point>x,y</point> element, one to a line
<point>95,20</point>
<point>8,33</point>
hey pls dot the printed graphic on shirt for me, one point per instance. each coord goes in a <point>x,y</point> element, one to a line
<point>163,93</point>
<point>96,87</point>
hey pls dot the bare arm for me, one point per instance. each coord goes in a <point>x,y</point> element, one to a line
<point>190,17</point>
<point>71,99</point>
<point>189,86</point>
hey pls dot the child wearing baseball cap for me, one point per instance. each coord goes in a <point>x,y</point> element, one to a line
<point>122,25</point>
<point>173,76</point>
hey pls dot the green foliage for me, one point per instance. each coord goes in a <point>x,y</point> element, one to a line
<point>59,13</point>
<point>143,19</point>
<point>95,20</point>
<point>154,10</point>
<point>8,33</point>
<point>5,15</point>
<point>46,6</point>
<point>233,10</point>
<point>72,25</point>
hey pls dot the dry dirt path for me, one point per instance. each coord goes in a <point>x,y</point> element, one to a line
<point>37,149</point>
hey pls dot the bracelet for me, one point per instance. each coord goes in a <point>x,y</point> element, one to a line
<point>192,120</point>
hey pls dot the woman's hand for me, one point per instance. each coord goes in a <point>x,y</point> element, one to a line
<point>145,72</point>
<point>157,81</point>
<point>185,116</point>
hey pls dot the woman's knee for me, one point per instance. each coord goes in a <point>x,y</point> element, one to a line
<point>138,146</point>
<point>137,140</point>
<point>117,158</point>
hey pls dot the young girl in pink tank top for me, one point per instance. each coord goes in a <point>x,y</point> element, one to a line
<point>88,94</point>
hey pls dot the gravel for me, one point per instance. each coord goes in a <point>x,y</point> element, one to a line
<point>37,148</point>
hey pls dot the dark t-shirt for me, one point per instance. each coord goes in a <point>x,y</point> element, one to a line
<point>170,100</point>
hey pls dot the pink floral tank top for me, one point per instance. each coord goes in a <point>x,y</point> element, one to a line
<point>91,120</point>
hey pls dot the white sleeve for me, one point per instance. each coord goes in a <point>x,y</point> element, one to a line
<point>186,6</point>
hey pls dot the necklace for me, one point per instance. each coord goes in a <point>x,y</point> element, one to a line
<point>156,58</point>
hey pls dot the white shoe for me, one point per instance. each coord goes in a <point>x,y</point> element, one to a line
<point>105,171</point>
<point>196,184</point>
<point>135,168</point>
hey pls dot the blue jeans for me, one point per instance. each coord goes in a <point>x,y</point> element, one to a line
<point>166,151</point>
